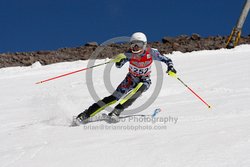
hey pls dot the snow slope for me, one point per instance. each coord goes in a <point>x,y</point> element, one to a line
<point>34,129</point>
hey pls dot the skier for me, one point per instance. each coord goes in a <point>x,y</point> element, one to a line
<point>137,81</point>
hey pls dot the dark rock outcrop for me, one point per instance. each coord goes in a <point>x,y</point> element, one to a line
<point>181,43</point>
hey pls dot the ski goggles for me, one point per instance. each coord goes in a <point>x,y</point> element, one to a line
<point>137,46</point>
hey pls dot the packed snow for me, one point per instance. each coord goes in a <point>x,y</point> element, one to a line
<point>35,118</point>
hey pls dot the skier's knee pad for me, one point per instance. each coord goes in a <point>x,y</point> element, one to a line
<point>109,99</point>
<point>132,96</point>
<point>100,105</point>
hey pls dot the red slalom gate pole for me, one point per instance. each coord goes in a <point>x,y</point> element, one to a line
<point>174,75</point>
<point>73,72</point>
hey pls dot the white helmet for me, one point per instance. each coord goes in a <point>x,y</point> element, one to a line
<point>138,42</point>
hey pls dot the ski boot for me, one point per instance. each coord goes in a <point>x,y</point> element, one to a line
<point>82,118</point>
<point>114,115</point>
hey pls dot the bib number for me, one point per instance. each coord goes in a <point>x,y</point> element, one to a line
<point>139,71</point>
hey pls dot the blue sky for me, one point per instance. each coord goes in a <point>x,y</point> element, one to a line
<point>30,25</point>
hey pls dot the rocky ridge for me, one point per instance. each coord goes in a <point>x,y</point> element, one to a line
<point>182,43</point>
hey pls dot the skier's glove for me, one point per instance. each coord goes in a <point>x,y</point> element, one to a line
<point>119,58</point>
<point>120,63</point>
<point>171,68</point>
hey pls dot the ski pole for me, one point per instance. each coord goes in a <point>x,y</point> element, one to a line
<point>116,59</point>
<point>172,74</point>
<point>73,72</point>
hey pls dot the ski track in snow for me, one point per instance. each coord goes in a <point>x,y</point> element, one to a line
<point>35,119</point>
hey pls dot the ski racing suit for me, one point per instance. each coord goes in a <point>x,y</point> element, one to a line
<point>137,80</point>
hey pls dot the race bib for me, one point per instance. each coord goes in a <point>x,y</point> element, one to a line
<point>139,71</point>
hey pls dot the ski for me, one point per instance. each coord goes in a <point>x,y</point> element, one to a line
<point>104,117</point>
<point>108,119</point>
